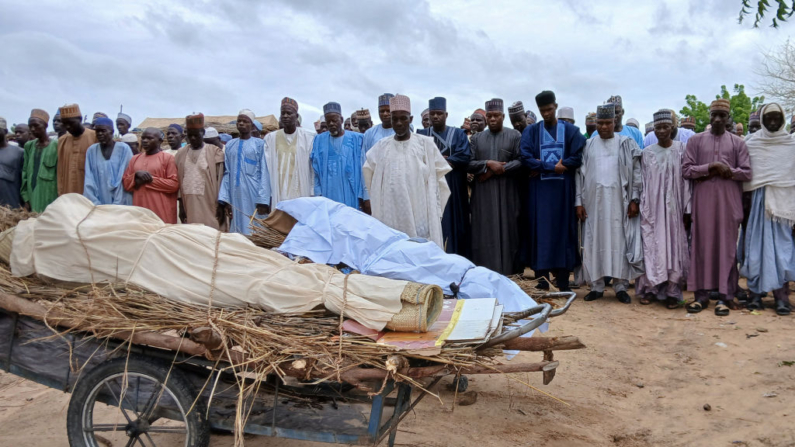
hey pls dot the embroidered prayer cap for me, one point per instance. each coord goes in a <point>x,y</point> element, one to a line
<point>332,107</point>
<point>176,126</point>
<point>633,122</point>
<point>124,117</point>
<point>590,118</point>
<point>495,105</point>
<point>616,101</point>
<point>363,114</point>
<point>399,103</point>
<point>210,132</point>
<point>545,98</point>
<point>663,116</point>
<point>566,112</point>
<point>606,112</point>
<point>103,121</point>
<point>531,116</point>
<point>649,127</point>
<point>3,124</point>
<point>40,114</point>
<point>290,102</point>
<point>438,103</point>
<point>98,115</point>
<point>689,120</point>
<point>425,113</point>
<point>247,113</point>
<point>70,111</point>
<point>383,100</point>
<point>480,112</point>
<point>517,108</point>
<point>194,121</point>
<point>754,117</point>
<point>720,105</point>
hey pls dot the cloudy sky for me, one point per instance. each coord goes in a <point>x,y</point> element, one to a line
<point>172,58</point>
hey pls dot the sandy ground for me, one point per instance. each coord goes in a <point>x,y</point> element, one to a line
<point>643,380</point>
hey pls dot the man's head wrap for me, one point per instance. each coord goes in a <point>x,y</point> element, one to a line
<point>129,137</point>
<point>531,116</point>
<point>177,127</point>
<point>495,105</point>
<point>383,100</point>
<point>40,114</point>
<point>332,107</point>
<point>566,112</point>
<point>363,114</point>
<point>399,103</point>
<point>517,108</point>
<point>124,117</point>
<point>606,112</point>
<point>70,111</point>
<point>290,102</point>
<point>720,105</point>
<point>103,121</point>
<point>545,98</point>
<point>210,132</point>
<point>772,107</point>
<point>247,113</point>
<point>663,116</point>
<point>633,122</point>
<point>590,118</point>
<point>438,103</point>
<point>616,101</point>
<point>194,121</point>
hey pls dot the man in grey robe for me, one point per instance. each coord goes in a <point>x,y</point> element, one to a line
<point>496,165</point>
<point>607,201</point>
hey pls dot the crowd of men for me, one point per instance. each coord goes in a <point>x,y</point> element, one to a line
<point>611,205</point>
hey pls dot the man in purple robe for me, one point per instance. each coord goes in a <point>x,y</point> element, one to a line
<point>717,162</point>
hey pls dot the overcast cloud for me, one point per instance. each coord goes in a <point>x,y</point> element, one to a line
<point>172,58</point>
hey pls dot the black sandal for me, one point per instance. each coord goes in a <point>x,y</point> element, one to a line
<point>721,309</point>
<point>755,303</point>
<point>695,307</point>
<point>783,308</point>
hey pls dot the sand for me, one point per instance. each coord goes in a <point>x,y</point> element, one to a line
<point>643,381</point>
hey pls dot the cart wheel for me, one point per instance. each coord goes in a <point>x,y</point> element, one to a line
<point>149,406</point>
<point>461,381</point>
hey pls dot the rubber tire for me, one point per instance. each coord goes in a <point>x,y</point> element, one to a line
<point>198,427</point>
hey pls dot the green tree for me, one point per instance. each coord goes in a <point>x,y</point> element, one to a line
<point>784,10</point>
<point>741,104</point>
<point>697,110</point>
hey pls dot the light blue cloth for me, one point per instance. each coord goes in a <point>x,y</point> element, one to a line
<point>682,135</point>
<point>374,135</point>
<point>635,134</point>
<point>328,232</point>
<point>104,177</point>
<point>769,249</point>
<point>337,163</point>
<point>246,181</point>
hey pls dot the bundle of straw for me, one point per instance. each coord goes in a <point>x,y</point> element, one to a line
<point>264,235</point>
<point>10,217</point>
<point>530,287</point>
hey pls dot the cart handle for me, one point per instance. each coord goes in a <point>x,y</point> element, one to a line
<point>546,313</point>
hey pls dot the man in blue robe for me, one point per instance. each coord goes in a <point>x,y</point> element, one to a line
<point>337,159</point>
<point>621,129</point>
<point>552,151</point>
<point>454,146</point>
<point>106,162</point>
<point>246,186</point>
<point>383,130</point>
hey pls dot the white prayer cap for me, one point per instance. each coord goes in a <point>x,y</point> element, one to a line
<point>566,112</point>
<point>210,132</point>
<point>129,137</point>
<point>249,114</point>
<point>633,122</point>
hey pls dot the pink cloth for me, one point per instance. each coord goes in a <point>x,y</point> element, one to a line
<point>717,209</point>
<point>160,195</point>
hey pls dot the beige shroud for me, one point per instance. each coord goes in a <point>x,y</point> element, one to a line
<point>75,241</point>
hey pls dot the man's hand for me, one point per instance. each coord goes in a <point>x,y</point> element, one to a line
<point>633,210</point>
<point>485,176</point>
<point>263,209</point>
<point>220,213</point>
<point>496,167</point>
<point>142,177</point>
<point>581,214</point>
<point>687,220</point>
<point>721,169</point>
<point>559,168</point>
<point>366,208</point>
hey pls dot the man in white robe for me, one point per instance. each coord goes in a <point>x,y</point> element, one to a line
<point>287,151</point>
<point>607,201</point>
<point>405,177</point>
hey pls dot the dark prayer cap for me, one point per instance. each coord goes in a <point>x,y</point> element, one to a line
<point>516,108</point>
<point>194,121</point>
<point>495,105</point>
<point>606,112</point>
<point>176,126</point>
<point>103,121</point>
<point>438,103</point>
<point>332,107</point>
<point>663,116</point>
<point>616,100</point>
<point>383,100</point>
<point>531,116</point>
<point>545,98</point>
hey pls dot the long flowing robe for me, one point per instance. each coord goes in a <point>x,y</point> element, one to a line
<point>103,185</point>
<point>495,202</point>
<point>374,135</point>
<point>72,161</point>
<point>408,190</point>
<point>289,166</point>
<point>456,229</point>
<point>246,181</point>
<point>160,195</point>
<point>716,210</point>
<point>39,173</point>
<point>551,242</point>
<point>12,159</point>
<point>337,163</point>
<point>664,201</point>
<point>608,180</point>
<point>200,173</point>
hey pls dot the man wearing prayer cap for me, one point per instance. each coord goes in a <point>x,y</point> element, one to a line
<point>383,130</point>
<point>551,150</point>
<point>677,134</point>
<point>57,126</point>
<point>718,162</point>
<point>454,147</point>
<point>609,184</point>
<point>337,159</point>
<point>621,129</point>
<point>174,136</point>
<point>246,186</point>
<point>496,166</point>
<point>72,149</point>
<point>123,123</point>
<point>689,123</point>
<point>404,175</point>
<point>288,152</point>
<point>200,170</point>
<point>131,140</point>
<point>566,114</point>
<point>516,114</point>
<point>106,162</point>
<point>211,136</point>
<point>664,210</point>
<point>590,125</point>
<point>151,177</point>
<point>768,262</point>
<point>363,122</point>
<point>531,117</point>
<point>633,123</point>
<point>11,161</point>
<point>39,169</point>
<point>649,127</point>
<point>354,123</point>
<point>426,119</point>
<point>477,122</point>
<point>754,124</point>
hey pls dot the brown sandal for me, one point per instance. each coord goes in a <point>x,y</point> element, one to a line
<point>672,302</point>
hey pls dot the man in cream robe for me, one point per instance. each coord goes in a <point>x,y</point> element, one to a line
<point>288,153</point>
<point>405,175</point>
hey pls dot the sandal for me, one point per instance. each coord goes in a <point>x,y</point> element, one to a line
<point>647,299</point>
<point>733,304</point>
<point>721,309</point>
<point>783,308</point>
<point>755,303</point>
<point>672,302</point>
<point>695,307</point>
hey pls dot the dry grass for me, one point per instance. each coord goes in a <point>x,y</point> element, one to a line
<point>10,217</point>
